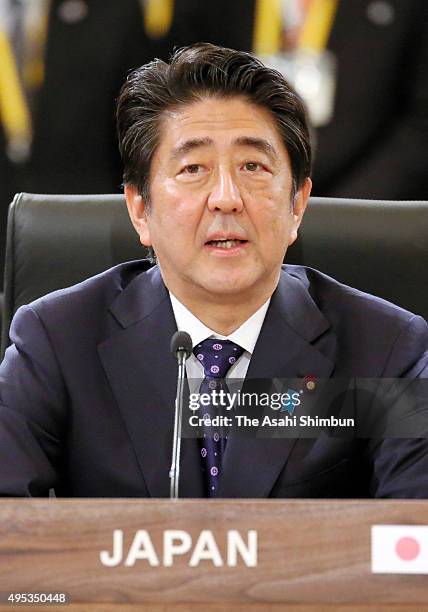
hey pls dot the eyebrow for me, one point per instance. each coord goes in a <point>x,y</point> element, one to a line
<point>190,145</point>
<point>260,144</point>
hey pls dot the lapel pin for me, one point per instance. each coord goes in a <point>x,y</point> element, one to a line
<point>310,382</point>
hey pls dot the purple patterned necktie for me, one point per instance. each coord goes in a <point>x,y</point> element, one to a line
<point>217,356</point>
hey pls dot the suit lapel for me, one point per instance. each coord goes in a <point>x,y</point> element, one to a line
<point>293,343</point>
<point>143,376</point>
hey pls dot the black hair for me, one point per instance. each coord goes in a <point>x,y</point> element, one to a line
<point>193,73</point>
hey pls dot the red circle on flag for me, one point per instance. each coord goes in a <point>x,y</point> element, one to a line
<point>407,548</point>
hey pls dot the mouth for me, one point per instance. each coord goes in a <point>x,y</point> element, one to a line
<point>226,244</point>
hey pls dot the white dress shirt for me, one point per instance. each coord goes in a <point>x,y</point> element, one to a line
<point>245,336</point>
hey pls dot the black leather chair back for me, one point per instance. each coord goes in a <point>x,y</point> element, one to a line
<point>55,241</point>
<point>380,247</point>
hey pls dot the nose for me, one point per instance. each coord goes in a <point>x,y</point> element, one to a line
<point>225,195</point>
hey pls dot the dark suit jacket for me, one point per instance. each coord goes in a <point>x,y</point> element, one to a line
<point>87,392</point>
<point>6,190</point>
<point>74,146</point>
<point>376,145</point>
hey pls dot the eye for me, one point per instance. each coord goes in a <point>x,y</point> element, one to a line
<point>253,166</point>
<point>192,172</point>
<point>191,169</point>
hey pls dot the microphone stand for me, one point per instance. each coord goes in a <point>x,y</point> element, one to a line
<point>182,350</point>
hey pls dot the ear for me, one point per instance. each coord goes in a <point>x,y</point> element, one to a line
<point>138,214</point>
<point>299,206</point>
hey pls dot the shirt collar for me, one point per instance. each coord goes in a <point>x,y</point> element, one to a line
<point>245,336</point>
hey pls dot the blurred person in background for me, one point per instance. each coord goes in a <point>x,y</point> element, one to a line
<point>362,68</point>
<point>62,63</point>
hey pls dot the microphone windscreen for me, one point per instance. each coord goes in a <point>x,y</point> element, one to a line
<point>181,341</point>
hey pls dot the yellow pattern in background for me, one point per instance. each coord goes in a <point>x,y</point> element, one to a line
<point>267,27</point>
<point>14,112</point>
<point>158,16</point>
<point>318,24</point>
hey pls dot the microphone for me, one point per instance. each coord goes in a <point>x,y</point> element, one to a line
<point>181,349</point>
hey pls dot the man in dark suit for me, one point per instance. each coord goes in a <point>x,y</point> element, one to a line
<point>5,192</point>
<point>217,161</point>
<point>376,143</point>
<point>89,48</point>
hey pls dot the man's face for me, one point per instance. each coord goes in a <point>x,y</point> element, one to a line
<point>220,218</point>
